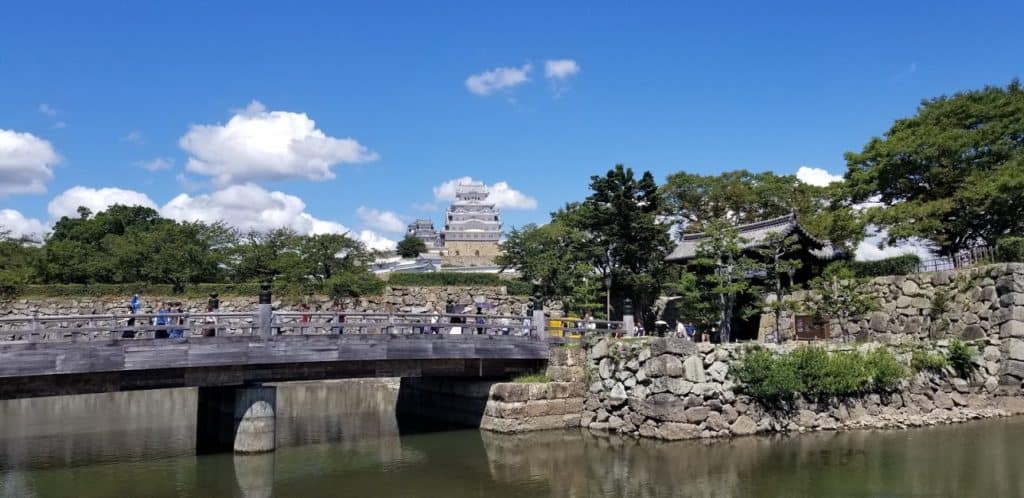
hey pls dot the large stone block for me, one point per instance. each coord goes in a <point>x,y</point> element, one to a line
<point>671,345</point>
<point>663,406</point>
<point>1012,328</point>
<point>910,288</point>
<point>693,369</point>
<point>972,332</point>
<point>673,431</point>
<point>743,426</point>
<point>696,414</point>
<point>1014,349</point>
<point>665,365</point>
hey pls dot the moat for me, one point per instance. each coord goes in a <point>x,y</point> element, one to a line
<point>343,439</point>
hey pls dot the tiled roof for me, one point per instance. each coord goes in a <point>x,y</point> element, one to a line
<point>755,234</point>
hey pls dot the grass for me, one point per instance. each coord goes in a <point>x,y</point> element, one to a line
<point>531,378</point>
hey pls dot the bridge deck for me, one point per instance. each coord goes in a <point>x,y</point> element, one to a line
<point>29,369</point>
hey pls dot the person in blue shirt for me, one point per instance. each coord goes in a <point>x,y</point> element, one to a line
<point>162,319</point>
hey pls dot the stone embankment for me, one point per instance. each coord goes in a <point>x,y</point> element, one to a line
<point>532,406</point>
<point>674,389</point>
<point>983,302</point>
<point>394,300</point>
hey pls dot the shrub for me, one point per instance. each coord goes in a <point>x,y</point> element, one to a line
<point>1010,249</point>
<point>767,378</point>
<point>921,361</point>
<point>886,371</point>
<point>776,380</point>
<point>518,288</point>
<point>961,358</point>
<point>354,284</point>
<point>897,265</point>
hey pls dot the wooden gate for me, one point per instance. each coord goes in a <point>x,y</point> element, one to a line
<point>811,328</point>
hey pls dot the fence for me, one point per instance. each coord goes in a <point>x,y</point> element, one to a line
<point>962,259</point>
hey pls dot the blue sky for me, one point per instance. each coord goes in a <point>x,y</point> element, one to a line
<point>212,97</point>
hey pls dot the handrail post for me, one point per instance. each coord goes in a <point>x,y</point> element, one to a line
<point>265,311</point>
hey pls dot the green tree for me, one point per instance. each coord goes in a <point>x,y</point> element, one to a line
<point>268,255</point>
<point>626,238</point>
<point>411,246</point>
<point>841,296</point>
<point>693,201</point>
<point>951,174</point>
<point>697,301</point>
<point>550,257</point>
<point>777,262</point>
<point>325,255</point>
<point>179,254</point>
<point>724,269</point>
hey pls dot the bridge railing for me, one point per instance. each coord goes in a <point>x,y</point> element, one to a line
<point>185,325</point>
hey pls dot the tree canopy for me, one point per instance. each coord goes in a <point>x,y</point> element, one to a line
<point>951,174</point>
<point>132,244</point>
<point>411,246</point>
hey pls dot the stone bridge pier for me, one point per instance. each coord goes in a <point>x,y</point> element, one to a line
<point>241,419</point>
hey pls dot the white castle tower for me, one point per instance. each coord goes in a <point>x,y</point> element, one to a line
<point>472,227</point>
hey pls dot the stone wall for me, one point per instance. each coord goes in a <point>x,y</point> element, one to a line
<point>974,303</point>
<point>395,299</point>
<point>675,389</point>
<point>523,407</point>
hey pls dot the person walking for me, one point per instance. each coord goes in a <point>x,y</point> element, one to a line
<point>129,333</point>
<point>178,320</point>
<point>304,319</point>
<point>161,320</point>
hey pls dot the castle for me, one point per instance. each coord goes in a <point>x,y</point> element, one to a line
<point>472,228</point>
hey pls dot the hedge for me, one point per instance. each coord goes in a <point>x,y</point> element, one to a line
<point>897,265</point>
<point>444,279</point>
<point>1010,249</point>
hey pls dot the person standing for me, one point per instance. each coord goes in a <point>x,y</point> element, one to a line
<point>680,329</point>
<point>480,321</point>
<point>178,320</point>
<point>161,321</point>
<point>691,331</point>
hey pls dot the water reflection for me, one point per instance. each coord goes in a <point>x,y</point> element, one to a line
<point>342,439</point>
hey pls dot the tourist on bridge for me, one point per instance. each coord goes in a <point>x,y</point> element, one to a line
<point>161,320</point>
<point>480,321</point>
<point>178,320</point>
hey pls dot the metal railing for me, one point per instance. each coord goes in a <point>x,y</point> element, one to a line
<point>189,325</point>
<point>962,259</point>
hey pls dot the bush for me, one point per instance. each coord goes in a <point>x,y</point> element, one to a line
<point>922,361</point>
<point>897,265</point>
<point>354,284</point>
<point>1010,249</point>
<point>456,279</point>
<point>811,372</point>
<point>961,358</point>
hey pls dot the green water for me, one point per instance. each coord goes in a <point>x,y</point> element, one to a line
<point>341,439</point>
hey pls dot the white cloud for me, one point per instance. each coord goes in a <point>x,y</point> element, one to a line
<point>874,247</point>
<point>156,164</point>
<point>376,242</point>
<point>381,220</point>
<point>257,144</point>
<point>59,125</point>
<point>501,194</point>
<point>134,137</point>
<point>251,207</point>
<point>20,226</point>
<point>47,110</point>
<point>96,199</point>
<point>26,163</point>
<point>816,176</point>
<point>496,79</point>
<point>560,69</point>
